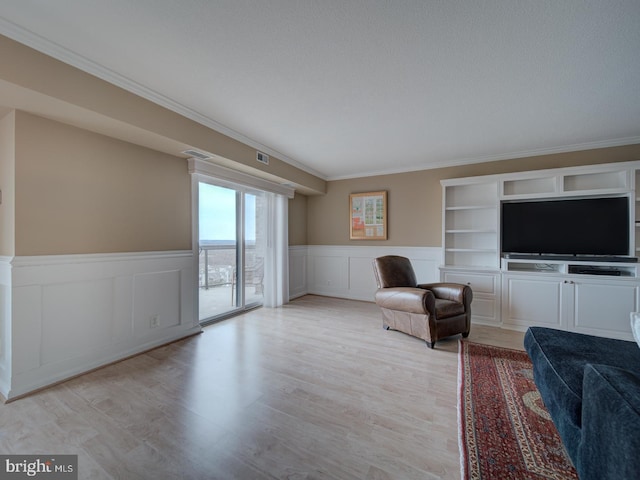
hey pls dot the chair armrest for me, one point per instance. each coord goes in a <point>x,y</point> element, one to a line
<point>456,292</point>
<point>406,299</point>
<point>610,424</point>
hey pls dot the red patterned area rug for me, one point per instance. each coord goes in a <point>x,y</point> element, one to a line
<point>505,429</point>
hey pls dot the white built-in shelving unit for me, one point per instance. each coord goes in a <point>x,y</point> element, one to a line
<point>585,296</point>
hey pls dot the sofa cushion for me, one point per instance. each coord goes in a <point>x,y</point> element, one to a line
<point>635,326</point>
<point>559,359</point>
<point>611,422</point>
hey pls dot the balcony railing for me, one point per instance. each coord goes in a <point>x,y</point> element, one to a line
<point>217,264</point>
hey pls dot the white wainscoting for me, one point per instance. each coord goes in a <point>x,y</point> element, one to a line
<point>347,271</point>
<point>73,313</point>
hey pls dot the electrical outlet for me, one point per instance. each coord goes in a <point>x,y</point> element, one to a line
<point>154,321</point>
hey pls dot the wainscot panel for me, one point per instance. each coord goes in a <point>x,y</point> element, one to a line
<point>297,271</point>
<point>347,272</point>
<point>73,313</point>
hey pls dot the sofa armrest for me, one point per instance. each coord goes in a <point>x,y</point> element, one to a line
<point>406,299</point>
<point>456,292</point>
<point>610,440</point>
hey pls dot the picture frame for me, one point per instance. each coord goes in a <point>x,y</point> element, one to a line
<point>368,216</point>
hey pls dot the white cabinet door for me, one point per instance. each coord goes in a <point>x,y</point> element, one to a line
<point>533,300</point>
<point>603,307</point>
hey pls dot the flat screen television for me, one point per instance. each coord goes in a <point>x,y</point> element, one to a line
<point>590,227</point>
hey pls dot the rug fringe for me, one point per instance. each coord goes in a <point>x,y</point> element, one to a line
<point>463,463</point>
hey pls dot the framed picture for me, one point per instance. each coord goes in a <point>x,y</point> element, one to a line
<point>368,215</point>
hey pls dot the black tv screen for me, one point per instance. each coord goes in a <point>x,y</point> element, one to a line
<point>593,226</point>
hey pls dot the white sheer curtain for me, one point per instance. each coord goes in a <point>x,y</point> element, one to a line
<point>276,284</point>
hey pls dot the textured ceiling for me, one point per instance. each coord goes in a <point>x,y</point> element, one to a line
<point>357,87</point>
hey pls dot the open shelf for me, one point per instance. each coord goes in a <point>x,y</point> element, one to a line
<point>530,266</point>
<point>619,270</point>
<point>474,258</point>
<point>596,181</point>
<point>471,207</point>
<point>473,230</point>
<point>470,225</point>
<point>603,270</point>
<point>479,195</point>
<point>530,186</point>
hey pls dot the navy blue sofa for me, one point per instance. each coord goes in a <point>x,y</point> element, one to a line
<point>591,388</point>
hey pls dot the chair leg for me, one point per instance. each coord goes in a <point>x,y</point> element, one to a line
<point>430,344</point>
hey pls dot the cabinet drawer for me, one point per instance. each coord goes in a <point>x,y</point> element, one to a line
<point>478,283</point>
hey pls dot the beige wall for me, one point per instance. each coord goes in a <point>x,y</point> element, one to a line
<point>7,185</point>
<point>81,192</point>
<point>415,198</point>
<point>298,220</point>
<point>407,200</point>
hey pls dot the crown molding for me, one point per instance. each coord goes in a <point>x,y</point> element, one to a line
<point>496,158</point>
<point>63,54</point>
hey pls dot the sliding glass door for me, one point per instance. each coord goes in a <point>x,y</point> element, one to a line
<point>232,247</point>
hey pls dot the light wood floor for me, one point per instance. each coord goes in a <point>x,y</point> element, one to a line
<point>314,390</point>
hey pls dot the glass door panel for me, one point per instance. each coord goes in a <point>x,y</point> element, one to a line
<point>218,250</point>
<point>254,247</point>
<point>232,248</point>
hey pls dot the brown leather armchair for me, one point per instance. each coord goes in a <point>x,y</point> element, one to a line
<point>430,311</point>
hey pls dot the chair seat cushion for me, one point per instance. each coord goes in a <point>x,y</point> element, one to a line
<point>447,308</point>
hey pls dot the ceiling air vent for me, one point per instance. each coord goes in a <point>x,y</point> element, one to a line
<point>198,154</point>
<point>262,158</point>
